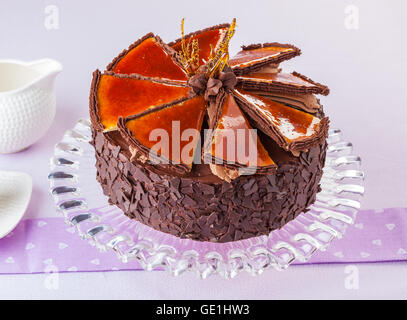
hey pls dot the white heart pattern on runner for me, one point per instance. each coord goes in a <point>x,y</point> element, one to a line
<point>359,225</point>
<point>364,254</point>
<point>41,224</point>
<point>9,260</point>
<point>95,262</point>
<point>390,226</point>
<point>62,245</point>
<point>29,246</point>
<point>339,254</point>
<point>401,251</point>
<point>47,261</point>
<point>377,242</point>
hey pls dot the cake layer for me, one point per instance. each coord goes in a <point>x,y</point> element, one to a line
<point>306,102</point>
<point>256,56</point>
<point>167,134</point>
<point>292,129</point>
<point>287,83</point>
<point>204,207</point>
<point>234,143</point>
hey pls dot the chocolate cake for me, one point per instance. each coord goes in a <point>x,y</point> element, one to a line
<point>200,146</point>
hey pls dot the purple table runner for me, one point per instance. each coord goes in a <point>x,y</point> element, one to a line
<point>48,245</point>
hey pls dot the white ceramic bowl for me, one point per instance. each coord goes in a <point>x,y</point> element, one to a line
<point>15,194</point>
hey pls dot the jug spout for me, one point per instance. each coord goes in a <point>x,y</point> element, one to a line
<point>48,70</point>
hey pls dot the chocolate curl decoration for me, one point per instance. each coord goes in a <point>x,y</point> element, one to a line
<point>198,83</point>
<point>228,79</point>
<point>211,87</point>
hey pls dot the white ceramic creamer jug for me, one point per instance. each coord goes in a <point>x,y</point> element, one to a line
<point>27,101</point>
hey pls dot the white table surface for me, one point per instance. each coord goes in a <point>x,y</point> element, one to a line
<point>365,69</point>
<point>376,281</point>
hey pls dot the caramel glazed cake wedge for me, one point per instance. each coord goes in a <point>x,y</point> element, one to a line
<point>151,84</point>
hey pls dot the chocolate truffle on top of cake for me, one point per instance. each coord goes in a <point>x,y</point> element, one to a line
<point>175,150</point>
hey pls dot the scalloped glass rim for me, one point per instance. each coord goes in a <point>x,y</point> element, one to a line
<point>78,196</point>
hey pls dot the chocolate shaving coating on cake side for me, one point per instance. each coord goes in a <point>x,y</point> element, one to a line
<point>219,211</point>
<point>93,101</point>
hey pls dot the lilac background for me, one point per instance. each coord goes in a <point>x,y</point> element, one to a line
<point>364,68</point>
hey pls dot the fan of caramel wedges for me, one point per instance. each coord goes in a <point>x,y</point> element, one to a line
<point>153,91</point>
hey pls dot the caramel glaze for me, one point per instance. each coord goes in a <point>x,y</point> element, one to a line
<point>189,113</point>
<point>150,59</point>
<point>246,58</point>
<point>123,96</point>
<point>292,124</point>
<point>205,40</point>
<point>231,118</point>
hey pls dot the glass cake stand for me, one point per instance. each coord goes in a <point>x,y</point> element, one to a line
<point>78,196</point>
